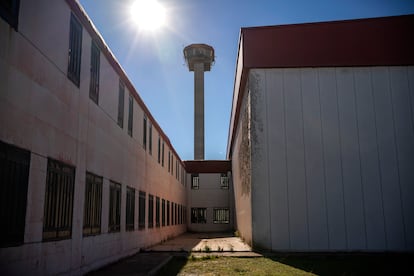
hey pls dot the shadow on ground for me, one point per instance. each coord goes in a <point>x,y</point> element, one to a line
<point>349,264</point>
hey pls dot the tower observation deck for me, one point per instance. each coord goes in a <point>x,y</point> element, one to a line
<point>199,58</point>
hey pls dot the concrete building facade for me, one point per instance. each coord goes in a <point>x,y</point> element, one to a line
<point>210,196</point>
<point>322,136</point>
<point>87,175</point>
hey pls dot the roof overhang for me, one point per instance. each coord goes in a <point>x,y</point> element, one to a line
<point>384,41</point>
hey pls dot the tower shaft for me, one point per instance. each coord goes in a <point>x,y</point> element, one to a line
<point>199,58</point>
<point>199,111</point>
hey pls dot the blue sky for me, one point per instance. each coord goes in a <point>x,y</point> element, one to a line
<point>154,61</point>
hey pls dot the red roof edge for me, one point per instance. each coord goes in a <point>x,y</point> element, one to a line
<point>207,166</point>
<point>360,42</point>
<point>382,41</point>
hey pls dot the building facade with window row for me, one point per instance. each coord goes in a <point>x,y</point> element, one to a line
<point>80,185</point>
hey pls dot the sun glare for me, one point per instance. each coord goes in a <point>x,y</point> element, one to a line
<point>148,14</point>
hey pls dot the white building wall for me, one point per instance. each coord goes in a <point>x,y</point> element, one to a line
<point>42,111</point>
<point>241,174</point>
<point>209,195</point>
<point>332,156</point>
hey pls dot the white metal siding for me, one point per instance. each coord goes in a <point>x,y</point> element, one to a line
<point>334,149</point>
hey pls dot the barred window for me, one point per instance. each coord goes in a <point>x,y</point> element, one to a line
<point>9,11</point>
<point>150,211</point>
<point>198,215</point>
<point>149,137</point>
<point>130,115</point>
<point>169,161</point>
<point>172,213</point>
<point>75,50</point>
<point>14,178</point>
<point>58,210</point>
<point>141,212</point>
<point>93,205</point>
<point>144,133</point>
<point>94,80</point>
<point>130,209</point>
<point>224,181</point>
<point>162,154</point>
<point>163,212</point>
<point>114,207</point>
<point>221,215</point>
<point>157,212</point>
<point>168,213</point>
<point>175,213</point>
<point>159,149</point>
<point>195,181</point>
<point>121,95</point>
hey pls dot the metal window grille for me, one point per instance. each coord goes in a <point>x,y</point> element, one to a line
<point>141,213</point>
<point>176,214</point>
<point>221,215</point>
<point>224,181</point>
<point>121,95</point>
<point>150,211</point>
<point>159,149</point>
<point>198,215</point>
<point>114,207</point>
<point>162,154</point>
<point>169,161</point>
<point>144,133</point>
<point>130,115</point>
<point>195,181</point>
<point>93,205</point>
<point>172,213</point>
<point>14,176</point>
<point>130,209</point>
<point>58,210</point>
<point>94,81</point>
<point>149,137</point>
<point>75,50</point>
<point>168,213</point>
<point>157,212</point>
<point>163,212</point>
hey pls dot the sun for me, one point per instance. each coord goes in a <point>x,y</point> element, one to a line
<point>148,14</point>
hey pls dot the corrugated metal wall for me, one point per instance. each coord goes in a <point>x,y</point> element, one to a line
<point>333,158</point>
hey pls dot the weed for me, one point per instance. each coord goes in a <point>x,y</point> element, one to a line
<point>207,249</point>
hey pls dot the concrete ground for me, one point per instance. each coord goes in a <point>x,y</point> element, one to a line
<point>152,259</point>
<point>203,242</point>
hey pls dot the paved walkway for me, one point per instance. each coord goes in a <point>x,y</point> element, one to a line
<point>197,244</point>
<point>203,242</point>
